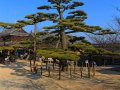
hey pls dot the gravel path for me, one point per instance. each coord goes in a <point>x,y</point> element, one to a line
<point>15,77</point>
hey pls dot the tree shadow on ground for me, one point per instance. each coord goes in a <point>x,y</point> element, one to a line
<point>19,70</point>
<point>114,70</point>
<point>22,84</point>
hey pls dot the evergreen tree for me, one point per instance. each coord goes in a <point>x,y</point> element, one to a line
<point>68,23</point>
<point>73,39</point>
<point>33,19</point>
<point>4,25</point>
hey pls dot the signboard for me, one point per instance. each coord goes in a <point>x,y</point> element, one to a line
<point>86,61</point>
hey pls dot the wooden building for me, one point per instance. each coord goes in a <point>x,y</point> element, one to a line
<point>12,36</point>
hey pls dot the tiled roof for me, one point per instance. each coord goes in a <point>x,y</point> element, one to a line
<point>15,32</point>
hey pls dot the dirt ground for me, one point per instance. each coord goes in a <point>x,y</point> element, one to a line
<point>16,77</point>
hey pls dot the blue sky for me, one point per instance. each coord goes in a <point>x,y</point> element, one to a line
<point>100,12</point>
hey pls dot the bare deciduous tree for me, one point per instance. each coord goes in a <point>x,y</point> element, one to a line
<point>109,41</point>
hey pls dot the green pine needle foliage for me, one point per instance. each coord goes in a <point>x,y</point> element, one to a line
<point>88,48</point>
<point>58,54</point>
<point>6,48</point>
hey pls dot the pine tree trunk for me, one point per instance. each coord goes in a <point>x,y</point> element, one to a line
<point>35,42</point>
<point>62,32</point>
<point>57,45</point>
<point>35,31</point>
<point>63,40</point>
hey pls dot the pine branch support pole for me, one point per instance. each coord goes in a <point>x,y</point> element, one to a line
<point>48,71</point>
<point>59,72</point>
<point>41,71</point>
<point>74,66</point>
<point>70,71</point>
<point>93,65</point>
<point>30,66</point>
<point>88,70</point>
<point>46,65</point>
<point>53,65</point>
<point>35,69</point>
<point>81,69</point>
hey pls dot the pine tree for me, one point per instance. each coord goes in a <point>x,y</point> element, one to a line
<point>68,23</point>
<point>33,19</point>
<point>4,25</point>
<point>17,25</point>
<point>75,38</point>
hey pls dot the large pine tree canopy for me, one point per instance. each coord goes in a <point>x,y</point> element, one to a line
<point>67,17</point>
<point>72,21</point>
